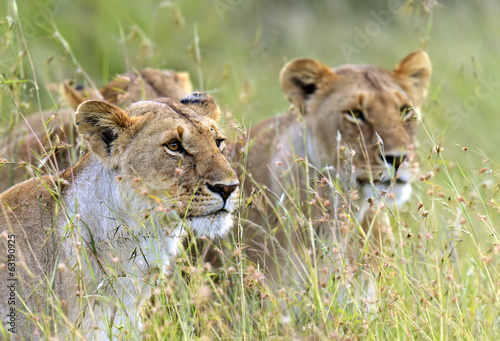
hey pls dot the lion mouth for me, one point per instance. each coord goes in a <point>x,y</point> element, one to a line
<point>220,211</point>
<point>385,182</point>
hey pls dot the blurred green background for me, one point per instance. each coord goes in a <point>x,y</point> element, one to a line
<point>235,49</point>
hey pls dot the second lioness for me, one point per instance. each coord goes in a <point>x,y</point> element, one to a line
<point>359,120</point>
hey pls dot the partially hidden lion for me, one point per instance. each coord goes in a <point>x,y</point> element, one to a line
<point>42,139</point>
<point>345,146</point>
<point>82,249</point>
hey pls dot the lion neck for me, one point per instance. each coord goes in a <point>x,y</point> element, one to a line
<point>117,215</point>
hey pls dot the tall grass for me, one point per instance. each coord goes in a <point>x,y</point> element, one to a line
<point>439,281</point>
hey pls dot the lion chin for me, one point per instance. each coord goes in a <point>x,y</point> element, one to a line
<point>213,225</point>
<point>393,193</point>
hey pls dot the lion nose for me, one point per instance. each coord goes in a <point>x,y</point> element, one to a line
<point>394,160</point>
<point>223,190</point>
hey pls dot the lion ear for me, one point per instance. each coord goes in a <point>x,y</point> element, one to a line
<point>203,104</point>
<point>303,77</point>
<point>184,82</point>
<point>416,70</point>
<point>100,123</point>
<point>76,95</point>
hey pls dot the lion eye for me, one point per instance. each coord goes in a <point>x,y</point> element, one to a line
<point>407,112</point>
<point>354,115</point>
<point>174,145</point>
<point>220,143</point>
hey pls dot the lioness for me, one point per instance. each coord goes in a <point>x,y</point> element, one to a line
<point>82,246</point>
<point>356,123</point>
<point>133,86</point>
<point>41,139</point>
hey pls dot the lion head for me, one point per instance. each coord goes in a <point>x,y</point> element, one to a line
<point>370,110</point>
<point>166,151</point>
<point>132,87</point>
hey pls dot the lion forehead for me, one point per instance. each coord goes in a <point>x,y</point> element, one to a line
<point>164,107</point>
<point>368,78</point>
<point>370,89</point>
<point>190,131</point>
<point>165,115</point>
